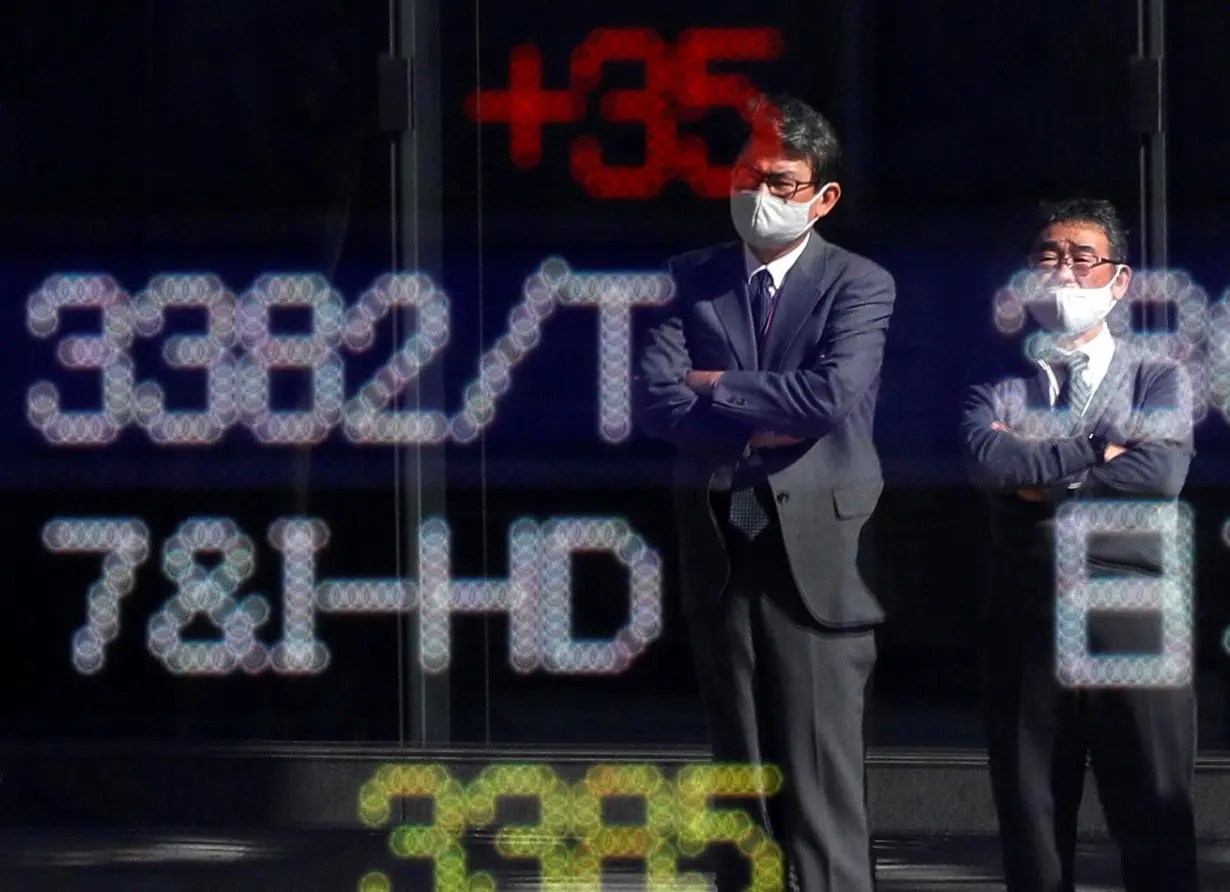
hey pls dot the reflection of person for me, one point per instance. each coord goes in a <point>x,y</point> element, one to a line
<point>764,374</point>
<point>1141,742</point>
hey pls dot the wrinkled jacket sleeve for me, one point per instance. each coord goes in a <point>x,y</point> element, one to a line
<point>1001,461</point>
<point>808,403</point>
<point>665,407</point>
<point>1156,465</point>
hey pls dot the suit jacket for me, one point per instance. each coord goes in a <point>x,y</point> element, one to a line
<point>816,377</point>
<point>1143,403</point>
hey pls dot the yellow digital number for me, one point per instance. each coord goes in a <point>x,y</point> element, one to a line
<point>701,826</point>
<point>438,841</point>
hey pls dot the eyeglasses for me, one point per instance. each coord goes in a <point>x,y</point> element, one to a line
<point>1082,264</point>
<point>782,185</point>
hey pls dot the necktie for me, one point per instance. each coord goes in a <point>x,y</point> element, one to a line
<point>759,292</point>
<point>747,514</point>
<point>1078,389</point>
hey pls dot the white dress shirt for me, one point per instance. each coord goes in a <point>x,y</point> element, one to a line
<point>1099,350</point>
<point>777,268</point>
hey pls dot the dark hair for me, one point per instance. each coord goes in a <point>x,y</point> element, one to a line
<point>1097,211</point>
<point>803,131</point>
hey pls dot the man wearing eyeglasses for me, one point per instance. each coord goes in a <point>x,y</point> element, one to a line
<point>764,373</point>
<point>1079,417</point>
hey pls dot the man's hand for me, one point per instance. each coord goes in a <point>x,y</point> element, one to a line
<point>702,383</point>
<point>1031,494</point>
<point>770,440</point>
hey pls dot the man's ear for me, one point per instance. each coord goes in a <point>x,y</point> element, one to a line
<point>1121,282</point>
<point>827,201</point>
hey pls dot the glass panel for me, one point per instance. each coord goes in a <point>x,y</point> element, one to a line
<point>202,198</point>
<point>1199,192</point>
<point>590,187</point>
<point>949,148</point>
<point>967,129</point>
<point>240,350</point>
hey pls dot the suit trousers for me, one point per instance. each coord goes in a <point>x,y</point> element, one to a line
<point>782,690</point>
<point>1041,736</point>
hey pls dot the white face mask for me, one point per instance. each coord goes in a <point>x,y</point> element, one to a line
<point>765,221</point>
<point>1073,310</point>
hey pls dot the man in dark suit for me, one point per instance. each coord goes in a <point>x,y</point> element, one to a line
<point>764,373</point>
<point>1080,417</point>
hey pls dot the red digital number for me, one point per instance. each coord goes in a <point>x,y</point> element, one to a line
<point>698,91</point>
<point>678,86</point>
<point>649,106</point>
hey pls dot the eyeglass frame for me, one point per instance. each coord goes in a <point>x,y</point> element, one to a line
<point>763,178</point>
<point>1062,260</point>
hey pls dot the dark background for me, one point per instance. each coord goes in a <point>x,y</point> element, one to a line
<point>241,138</point>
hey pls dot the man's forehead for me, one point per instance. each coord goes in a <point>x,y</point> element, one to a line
<point>772,156</point>
<point>1075,235</point>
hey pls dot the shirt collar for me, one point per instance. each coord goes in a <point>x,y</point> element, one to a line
<point>1099,350</point>
<point>777,268</point>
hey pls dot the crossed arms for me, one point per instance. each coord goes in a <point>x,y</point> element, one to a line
<point>716,414</point>
<point>999,460</point>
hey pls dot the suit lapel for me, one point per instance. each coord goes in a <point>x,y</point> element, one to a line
<point>1038,394</point>
<point>1117,374</point>
<point>797,297</point>
<point>1034,353</point>
<point>734,312</point>
<point>1036,413</point>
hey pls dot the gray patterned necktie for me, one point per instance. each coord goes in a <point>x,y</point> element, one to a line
<point>1078,389</point>
<point>747,514</point>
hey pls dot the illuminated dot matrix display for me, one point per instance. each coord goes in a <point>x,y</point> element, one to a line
<point>536,596</point>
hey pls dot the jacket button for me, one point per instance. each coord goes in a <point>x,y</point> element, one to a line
<point>783,498</point>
